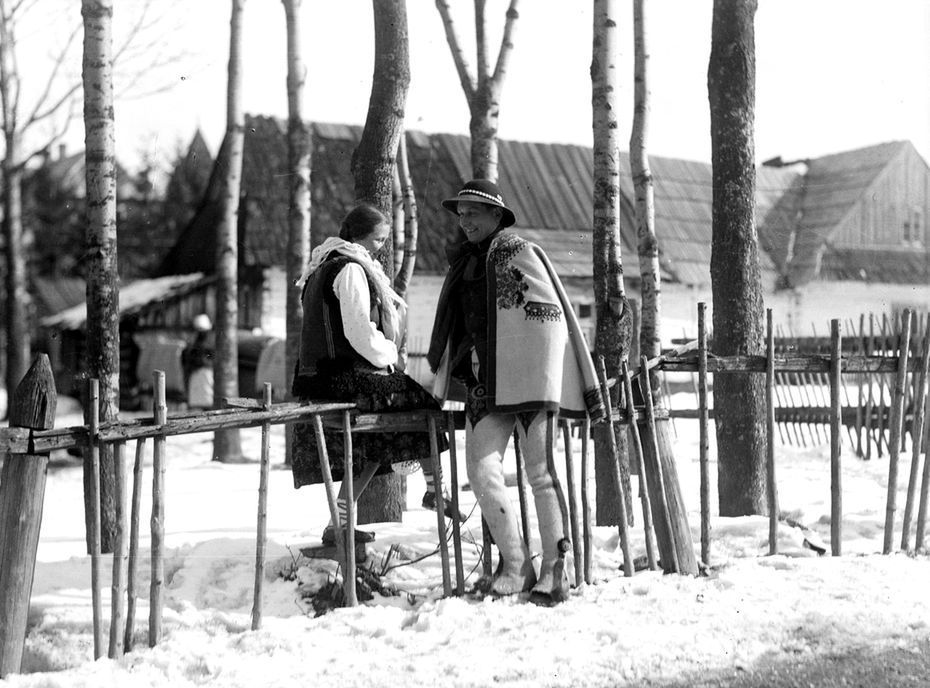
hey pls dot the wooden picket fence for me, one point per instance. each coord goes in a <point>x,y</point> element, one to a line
<point>802,398</point>
<point>903,411</point>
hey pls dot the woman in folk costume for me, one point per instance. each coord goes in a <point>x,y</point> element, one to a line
<point>505,329</point>
<point>352,349</point>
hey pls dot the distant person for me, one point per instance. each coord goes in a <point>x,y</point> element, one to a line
<point>197,363</point>
<point>505,329</point>
<point>352,349</point>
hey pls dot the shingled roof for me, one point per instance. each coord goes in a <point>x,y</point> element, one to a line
<point>550,188</point>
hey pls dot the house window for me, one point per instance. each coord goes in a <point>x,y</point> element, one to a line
<point>584,310</point>
<point>913,226</point>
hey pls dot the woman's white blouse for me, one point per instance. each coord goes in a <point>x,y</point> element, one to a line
<point>351,288</point>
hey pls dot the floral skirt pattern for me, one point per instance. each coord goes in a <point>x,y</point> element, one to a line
<point>372,392</point>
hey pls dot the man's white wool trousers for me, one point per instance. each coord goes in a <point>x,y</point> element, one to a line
<point>486,443</point>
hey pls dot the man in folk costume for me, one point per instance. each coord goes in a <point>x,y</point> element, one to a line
<point>505,329</point>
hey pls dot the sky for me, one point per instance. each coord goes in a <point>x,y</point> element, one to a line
<point>831,75</point>
<point>752,611</point>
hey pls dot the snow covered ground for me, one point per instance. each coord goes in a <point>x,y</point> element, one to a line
<point>619,631</point>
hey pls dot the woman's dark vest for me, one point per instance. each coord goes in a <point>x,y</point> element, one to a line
<point>323,344</point>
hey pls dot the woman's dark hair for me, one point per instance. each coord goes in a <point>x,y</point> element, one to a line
<point>360,222</point>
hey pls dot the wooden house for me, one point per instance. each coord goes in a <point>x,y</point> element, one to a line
<point>849,236</point>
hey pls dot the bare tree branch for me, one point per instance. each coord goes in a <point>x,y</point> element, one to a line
<point>59,61</point>
<point>503,57</point>
<point>469,83</point>
<point>481,43</point>
<point>57,135</point>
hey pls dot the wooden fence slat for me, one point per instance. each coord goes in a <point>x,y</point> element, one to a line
<point>261,527</point>
<point>587,533</point>
<point>571,488</point>
<point>440,508</point>
<point>894,438</point>
<point>771,483</point>
<point>134,525</point>
<point>917,432</point>
<point>615,465</point>
<point>648,526</point>
<point>456,526</point>
<point>704,434</point>
<point>349,532</point>
<point>92,418</point>
<point>120,553</point>
<point>836,472</point>
<point>521,488</point>
<point>157,522</point>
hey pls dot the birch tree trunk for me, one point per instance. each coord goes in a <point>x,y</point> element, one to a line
<point>16,296</point>
<point>411,221</point>
<point>483,88</point>
<point>373,170</point>
<point>739,398</point>
<point>299,152</point>
<point>650,336</point>
<point>612,311</point>
<point>102,334</point>
<point>227,445</point>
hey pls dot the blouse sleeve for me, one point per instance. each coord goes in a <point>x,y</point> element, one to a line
<point>351,288</point>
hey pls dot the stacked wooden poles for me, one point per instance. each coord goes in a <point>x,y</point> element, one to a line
<point>22,494</point>
<point>648,528</point>
<point>673,534</point>
<point>615,463</point>
<point>894,437</point>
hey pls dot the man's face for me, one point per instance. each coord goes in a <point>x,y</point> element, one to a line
<point>478,220</point>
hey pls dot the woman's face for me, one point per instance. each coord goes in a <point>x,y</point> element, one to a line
<point>478,220</point>
<point>374,241</point>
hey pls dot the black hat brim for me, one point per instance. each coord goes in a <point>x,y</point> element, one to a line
<point>508,219</point>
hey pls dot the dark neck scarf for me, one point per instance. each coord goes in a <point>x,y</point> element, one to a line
<point>460,256</point>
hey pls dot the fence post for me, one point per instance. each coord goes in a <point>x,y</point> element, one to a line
<point>120,555</point>
<point>157,522</point>
<point>22,492</point>
<point>917,437</point>
<point>836,472</point>
<point>894,437</point>
<point>772,495</point>
<point>261,528</point>
<point>704,433</point>
<point>92,418</point>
